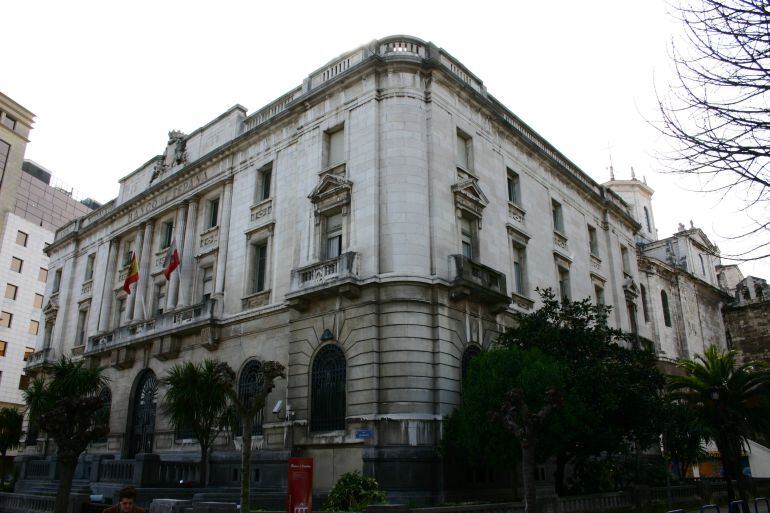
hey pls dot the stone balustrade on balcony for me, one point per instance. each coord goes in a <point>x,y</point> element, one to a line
<point>480,282</point>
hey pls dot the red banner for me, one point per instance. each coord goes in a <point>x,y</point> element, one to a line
<point>300,498</point>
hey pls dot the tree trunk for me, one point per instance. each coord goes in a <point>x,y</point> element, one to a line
<point>248,426</point>
<point>528,477</point>
<point>561,462</point>
<point>2,468</point>
<point>66,473</point>
<point>204,465</point>
<point>724,452</point>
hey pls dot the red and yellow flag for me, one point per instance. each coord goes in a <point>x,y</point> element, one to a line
<point>133,274</point>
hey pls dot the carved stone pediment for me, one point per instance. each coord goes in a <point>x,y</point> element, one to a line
<point>51,308</point>
<point>469,196</point>
<point>331,192</point>
<point>174,155</point>
<point>630,288</point>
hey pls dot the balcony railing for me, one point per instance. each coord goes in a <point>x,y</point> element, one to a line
<point>175,322</point>
<point>325,275</point>
<point>40,358</point>
<point>478,281</point>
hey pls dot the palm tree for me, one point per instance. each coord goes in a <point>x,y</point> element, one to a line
<point>732,402</point>
<point>10,434</point>
<point>247,406</point>
<point>64,402</point>
<point>197,402</point>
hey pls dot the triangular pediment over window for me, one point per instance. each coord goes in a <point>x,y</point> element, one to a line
<point>51,308</point>
<point>331,192</point>
<point>469,196</point>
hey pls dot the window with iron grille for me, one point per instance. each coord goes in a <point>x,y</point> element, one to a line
<point>251,382</point>
<point>469,354</point>
<point>327,395</point>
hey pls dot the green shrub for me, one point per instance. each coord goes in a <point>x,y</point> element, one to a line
<point>353,492</point>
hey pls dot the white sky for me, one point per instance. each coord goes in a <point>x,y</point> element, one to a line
<point>107,81</point>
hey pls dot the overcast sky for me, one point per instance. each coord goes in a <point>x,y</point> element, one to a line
<point>107,81</point>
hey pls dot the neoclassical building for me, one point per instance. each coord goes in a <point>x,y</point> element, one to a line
<point>371,229</point>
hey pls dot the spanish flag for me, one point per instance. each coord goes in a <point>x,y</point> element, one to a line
<point>133,274</point>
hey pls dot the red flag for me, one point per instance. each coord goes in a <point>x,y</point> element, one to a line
<point>172,260</point>
<point>133,274</point>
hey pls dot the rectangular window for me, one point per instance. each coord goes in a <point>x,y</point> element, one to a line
<point>21,238</point>
<point>16,264</point>
<point>467,238</point>
<point>166,232</point>
<point>5,319</point>
<point>564,285</point>
<point>593,241</point>
<point>9,122</point>
<point>128,251</point>
<point>81,328</point>
<point>56,281</point>
<point>599,294</point>
<point>34,326</point>
<point>90,267</point>
<point>212,213</point>
<point>558,219</point>
<point>513,187</point>
<point>10,291</point>
<point>208,282</point>
<point>23,382</point>
<point>625,261</point>
<point>37,302</point>
<point>159,299</point>
<point>5,149</point>
<point>333,236</point>
<point>463,150</point>
<point>335,150</point>
<point>260,267</point>
<point>265,179</point>
<point>42,274</point>
<point>518,270</point>
<point>3,347</point>
<point>28,352</point>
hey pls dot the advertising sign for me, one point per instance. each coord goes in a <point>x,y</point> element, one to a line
<point>300,498</point>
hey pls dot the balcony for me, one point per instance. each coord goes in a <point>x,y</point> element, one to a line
<point>478,282</point>
<point>335,275</point>
<point>191,319</point>
<point>38,359</point>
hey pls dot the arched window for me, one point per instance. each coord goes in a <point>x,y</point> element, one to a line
<point>327,393</point>
<point>664,303</point>
<point>647,220</point>
<point>645,311</point>
<point>142,428</point>
<point>470,352</point>
<point>105,396</point>
<point>251,382</point>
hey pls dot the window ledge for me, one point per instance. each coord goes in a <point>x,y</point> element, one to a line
<point>335,169</point>
<point>256,299</point>
<point>522,301</point>
<point>208,230</point>
<point>516,212</point>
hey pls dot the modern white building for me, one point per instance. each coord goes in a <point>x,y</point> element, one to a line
<point>371,229</point>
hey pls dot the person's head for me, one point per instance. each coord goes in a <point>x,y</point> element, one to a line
<point>126,499</point>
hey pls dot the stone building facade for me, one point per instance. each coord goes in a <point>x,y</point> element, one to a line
<point>370,229</point>
<point>748,319</point>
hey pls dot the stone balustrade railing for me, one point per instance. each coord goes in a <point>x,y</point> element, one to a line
<point>325,272</point>
<point>151,328</point>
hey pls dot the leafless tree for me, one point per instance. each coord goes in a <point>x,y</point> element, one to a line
<point>717,112</point>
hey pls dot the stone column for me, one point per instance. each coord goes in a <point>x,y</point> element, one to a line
<point>107,288</point>
<point>224,235</point>
<point>173,283</point>
<point>186,271</point>
<point>140,294</point>
<point>138,239</point>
